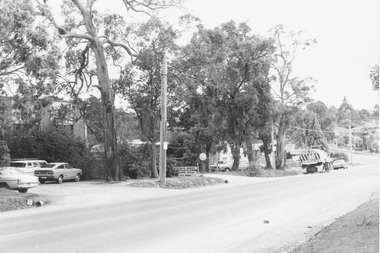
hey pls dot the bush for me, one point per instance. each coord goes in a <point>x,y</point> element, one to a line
<point>54,145</point>
<point>4,154</point>
<point>171,169</point>
<point>254,170</point>
<point>134,161</point>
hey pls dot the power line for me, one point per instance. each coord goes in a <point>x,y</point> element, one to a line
<point>312,130</point>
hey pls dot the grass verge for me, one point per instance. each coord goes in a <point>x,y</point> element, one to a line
<point>179,183</point>
<point>13,200</point>
<point>258,172</point>
<point>355,232</point>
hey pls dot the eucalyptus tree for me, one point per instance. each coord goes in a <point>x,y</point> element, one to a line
<point>325,118</point>
<point>228,67</point>
<point>314,134</point>
<point>100,39</point>
<point>374,76</point>
<point>29,58</point>
<point>306,131</point>
<point>290,91</point>
<point>347,113</point>
<point>140,82</point>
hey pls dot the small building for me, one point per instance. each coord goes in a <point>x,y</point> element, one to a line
<point>60,113</point>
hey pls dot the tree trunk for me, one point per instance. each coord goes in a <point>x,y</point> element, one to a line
<point>249,150</point>
<point>107,94</point>
<point>280,147</point>
<point>208,151</point>
<point>236,155</point>
<point>266,144</point>
<point>153,159</point>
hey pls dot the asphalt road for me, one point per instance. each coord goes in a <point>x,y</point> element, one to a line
<point>259,216</point>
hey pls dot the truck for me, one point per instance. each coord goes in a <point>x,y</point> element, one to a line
<point>313,160</point>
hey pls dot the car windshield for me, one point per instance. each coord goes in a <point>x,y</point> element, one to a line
<point>48,165</point>
<point>20,170</point>
<point>9,171</point>
<point>17,165</point>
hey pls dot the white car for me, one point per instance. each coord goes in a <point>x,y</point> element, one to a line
<point>27,166</point>
<point>227,166</point>
<point>339,164</point>
<point>13,179</point>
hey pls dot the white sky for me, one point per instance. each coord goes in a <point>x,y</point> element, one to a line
<point>347,31</point>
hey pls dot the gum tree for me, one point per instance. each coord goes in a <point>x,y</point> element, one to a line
<point>374,76</point>
<point>228,67</point>
<point>290,92</point>
<point>100,39</point>
<point>140,82</point>
<point>29,58</point>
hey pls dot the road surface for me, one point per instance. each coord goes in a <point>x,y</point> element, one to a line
<point>260,215</point>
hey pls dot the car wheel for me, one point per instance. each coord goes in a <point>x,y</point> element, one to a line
<point>60,180</point>
<point>4,186</point>
<point>42,181</point>
<point>77,177</point>
<point>227,169</point>
<point>23,190</point>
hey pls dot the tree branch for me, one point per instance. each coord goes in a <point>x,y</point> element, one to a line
<point>122,45</point>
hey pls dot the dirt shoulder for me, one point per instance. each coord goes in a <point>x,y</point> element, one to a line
<point>355,232</point>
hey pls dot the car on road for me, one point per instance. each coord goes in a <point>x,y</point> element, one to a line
<point>13,179</point>
<point>339,164</point>
<point>59,172</point>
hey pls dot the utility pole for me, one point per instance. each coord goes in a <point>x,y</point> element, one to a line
<point>273,152</point>
<point>350,133</point>
<point>163,143</point>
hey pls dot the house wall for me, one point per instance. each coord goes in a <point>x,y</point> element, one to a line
<point>8,114</point>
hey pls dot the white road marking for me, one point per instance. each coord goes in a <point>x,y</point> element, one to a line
<point>26,232</point>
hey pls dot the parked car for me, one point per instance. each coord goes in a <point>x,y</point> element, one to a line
<point>215,166</point>
<point>57,172</point>
<point>13,179</point>
<point>27,166</point>
<point>339,164</point>
<point>227,166</point>
<point>41,162</point>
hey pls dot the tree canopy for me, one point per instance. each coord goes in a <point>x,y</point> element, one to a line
<point>290,92</point>
<point>226,72</point>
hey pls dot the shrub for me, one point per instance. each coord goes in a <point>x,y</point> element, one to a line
<point>171,169</point>
<point>254,170</point>
<point>134,161</point>
<point>54,145</point>
<point>4,154</point>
